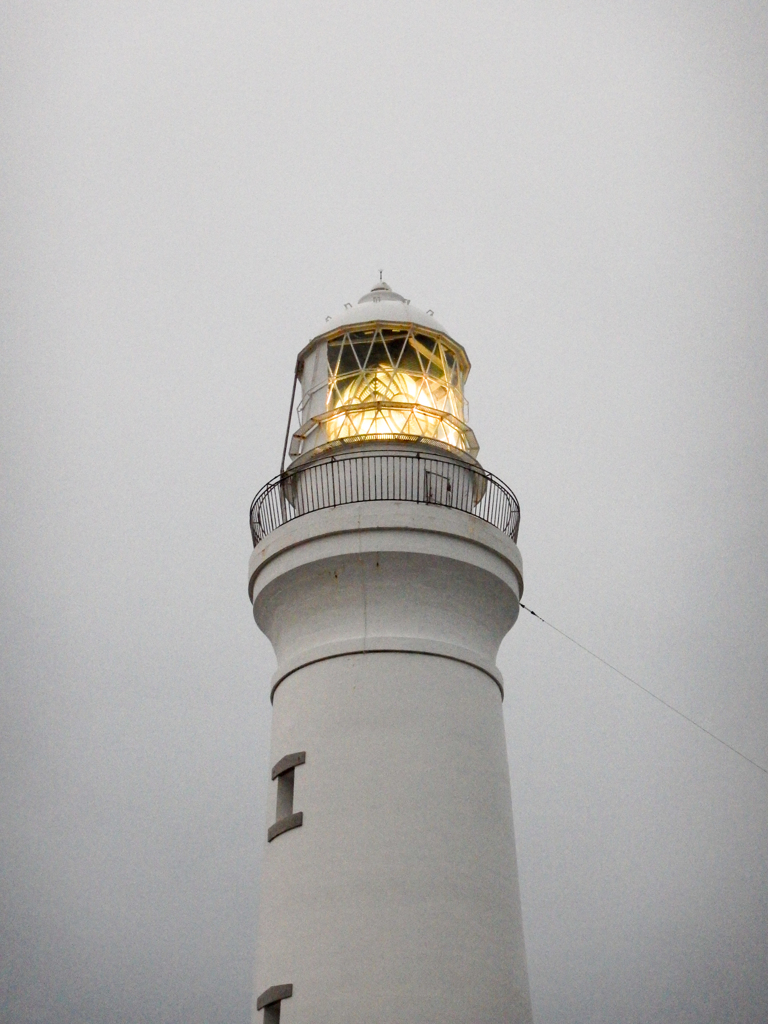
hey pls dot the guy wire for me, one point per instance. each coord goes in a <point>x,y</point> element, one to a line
<point>645,690</point>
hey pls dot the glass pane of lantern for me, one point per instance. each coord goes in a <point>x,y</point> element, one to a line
<point>394,382</point>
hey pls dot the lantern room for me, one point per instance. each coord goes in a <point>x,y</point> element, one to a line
<point>382,371</point>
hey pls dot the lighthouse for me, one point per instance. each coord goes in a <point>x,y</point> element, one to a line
<point>385,573</point>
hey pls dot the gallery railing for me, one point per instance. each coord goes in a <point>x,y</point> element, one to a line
<point>400,476</point>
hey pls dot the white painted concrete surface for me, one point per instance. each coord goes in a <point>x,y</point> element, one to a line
<point>397,898</point>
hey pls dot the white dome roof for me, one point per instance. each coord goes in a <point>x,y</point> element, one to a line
<point>381,303</point>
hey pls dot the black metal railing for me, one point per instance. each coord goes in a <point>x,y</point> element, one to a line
<point>399,476</point>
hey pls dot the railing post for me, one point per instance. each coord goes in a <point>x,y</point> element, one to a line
<point>283,514</point>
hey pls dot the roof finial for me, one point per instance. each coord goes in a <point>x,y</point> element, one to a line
<point>381,275</point>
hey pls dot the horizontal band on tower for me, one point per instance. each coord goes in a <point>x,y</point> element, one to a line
<point>386,645</point>
<point>380,526</point>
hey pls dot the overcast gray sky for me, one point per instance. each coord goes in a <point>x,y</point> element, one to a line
<point>579,192</point>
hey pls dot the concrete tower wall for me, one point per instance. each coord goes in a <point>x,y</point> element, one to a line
<point>394,893</point>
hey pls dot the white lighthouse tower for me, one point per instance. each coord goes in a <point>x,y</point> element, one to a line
<point>385,573</point>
